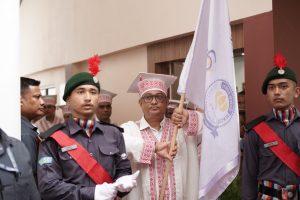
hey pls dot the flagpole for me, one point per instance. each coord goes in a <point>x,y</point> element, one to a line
<point>173,142</point>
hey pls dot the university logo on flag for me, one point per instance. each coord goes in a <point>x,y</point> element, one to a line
<point>219,105</point>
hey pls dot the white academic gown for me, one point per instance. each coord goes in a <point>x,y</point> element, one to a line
<point>43,124</point>
<point>183,181</point>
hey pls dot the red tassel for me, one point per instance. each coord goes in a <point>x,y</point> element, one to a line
<point>280,61</point>
<point>94,64</point>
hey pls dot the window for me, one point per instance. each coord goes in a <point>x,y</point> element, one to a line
<point>171,68</point>
<point>48,91</point>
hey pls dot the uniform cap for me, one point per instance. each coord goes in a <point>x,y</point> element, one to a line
<point>280,71</point>
<point>82,78</point>
<point>145,82</point>
<point>106,96</point>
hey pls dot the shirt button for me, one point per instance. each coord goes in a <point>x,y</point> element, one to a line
<point>290,194</point>
<point>91,154</point>
<point>90,140</point>
<point>123,156</point>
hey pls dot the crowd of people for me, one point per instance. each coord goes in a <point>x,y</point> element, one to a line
<point>87,156</point>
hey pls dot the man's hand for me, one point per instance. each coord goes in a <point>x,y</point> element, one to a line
<point>126,183</point>
<point>162,149</point>
<point>105,191</point>
<point>180,118</point>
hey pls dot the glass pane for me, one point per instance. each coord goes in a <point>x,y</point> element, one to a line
<point>43,91</point>
<point>51,91</point>
<point>176,68</point>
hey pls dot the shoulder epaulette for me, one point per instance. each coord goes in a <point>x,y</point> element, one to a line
<point>254,122</point>
<point>43,136</point>
<point>109,124</point>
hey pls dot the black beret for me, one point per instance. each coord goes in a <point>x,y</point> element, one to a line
<point>83,78</point>
<point>276,73</point>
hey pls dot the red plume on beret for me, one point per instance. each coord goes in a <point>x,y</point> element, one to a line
<point>94,64</point>
<point>280,61</point>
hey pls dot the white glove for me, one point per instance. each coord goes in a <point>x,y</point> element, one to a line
<point>126,183</point>
<point>105,191</point>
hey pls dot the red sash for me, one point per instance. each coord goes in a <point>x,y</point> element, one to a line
<point>281,150</point>
<point>82,157</point>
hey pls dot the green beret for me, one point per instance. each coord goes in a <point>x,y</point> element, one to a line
<point>83,78</point>
<point>276,73</point>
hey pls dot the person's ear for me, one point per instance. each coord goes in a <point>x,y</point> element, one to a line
<point>21,101</point>
<point>297,92</point>
<point>68,101</point>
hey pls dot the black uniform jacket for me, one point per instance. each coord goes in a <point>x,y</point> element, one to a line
<point>29,138</point>
<point>16,178</point>
<point>60,177</point>
<point>260,163</point>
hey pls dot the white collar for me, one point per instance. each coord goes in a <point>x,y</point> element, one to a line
<point>144,124</point>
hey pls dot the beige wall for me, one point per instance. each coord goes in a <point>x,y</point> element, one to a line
<point>56,32</point>
<point>54,77</point>
<point>118,71</point>
<point>59,33</point>
<point>244,8</point>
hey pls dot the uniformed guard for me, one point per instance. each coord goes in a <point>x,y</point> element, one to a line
<point>83,159</point>
<point>16,177</point>
<point>104,108</point>
<point>32,108</point>
<point>271,168</point>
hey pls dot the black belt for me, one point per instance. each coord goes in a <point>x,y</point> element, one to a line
<point>278,193</point>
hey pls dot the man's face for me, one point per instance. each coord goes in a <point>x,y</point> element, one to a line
<point>83,101</point>
<point>281,93</point>
<point>50,110</point>
<point>32,103</point>
<point>154,104</point>
<point>104,111</point>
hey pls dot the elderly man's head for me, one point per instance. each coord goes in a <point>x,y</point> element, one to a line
<point>153,89</point>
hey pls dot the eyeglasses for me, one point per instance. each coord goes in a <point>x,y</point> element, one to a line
<point>104,107</point>
<point>49,106</point>
<point>149,98</point>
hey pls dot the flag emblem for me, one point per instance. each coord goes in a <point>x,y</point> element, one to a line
<point>211,59</point>
<point>219,105</point>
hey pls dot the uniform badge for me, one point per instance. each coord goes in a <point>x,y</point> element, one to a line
<point>69,148</point>
<point>45,160</point>
<point>280,63</point>
<point>95,79</point>
<point>123,156</point>
<point>281,71</point>
<point>270,144</point>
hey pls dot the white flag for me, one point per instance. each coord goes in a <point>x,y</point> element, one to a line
<point>209,82</point>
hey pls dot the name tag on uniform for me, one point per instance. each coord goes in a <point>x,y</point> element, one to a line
<point>69,148</point>
<point>271,144</point>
